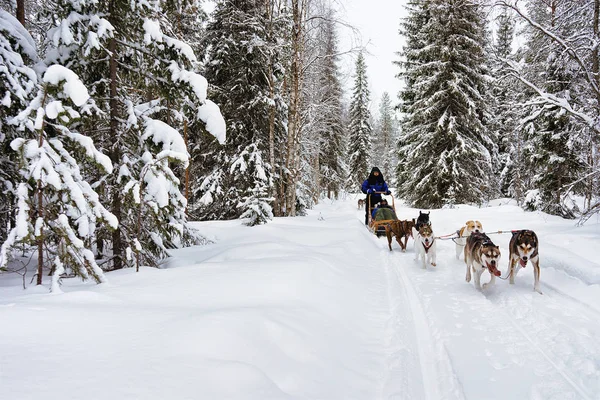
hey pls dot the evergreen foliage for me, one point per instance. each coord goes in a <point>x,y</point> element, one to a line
<point>384,141</point>
<point>445,149</point>
<point>241,50</point>
<point>331,129</point>
<point>360,125</point>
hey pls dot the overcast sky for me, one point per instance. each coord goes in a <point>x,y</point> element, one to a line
<point>377,22</point>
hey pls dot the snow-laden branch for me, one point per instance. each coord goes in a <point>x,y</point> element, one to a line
<point>551,98</point>
<point>589,75</point>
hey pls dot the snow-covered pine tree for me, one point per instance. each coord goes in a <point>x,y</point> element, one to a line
<point>410,59</point>
<point>384,144</point>
<point>445,146</point>
<point>144,81</point>
<point>57,209</point>
<point>239,65</point>
<point>505,91</point>
<point>360,130</point>
<point>553,146</point>
<point>18,84</point>
<point>559,34</point>
<point>333,169</point>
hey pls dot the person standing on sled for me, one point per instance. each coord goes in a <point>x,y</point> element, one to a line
<point>373,184</point>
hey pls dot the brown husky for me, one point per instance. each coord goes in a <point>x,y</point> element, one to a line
<point>399,229</point>
<point>480,254</point>
<point>523,247</point>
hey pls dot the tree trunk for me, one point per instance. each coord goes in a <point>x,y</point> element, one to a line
<point>187,169</point>
<point>21,11</point>
<point>593,159</point>
<point>273,189</point>
<point>115,153</point>
<point>293,140</point>
<point>40,205</point>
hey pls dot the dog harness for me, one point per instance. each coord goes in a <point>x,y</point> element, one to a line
<point>428,247</point>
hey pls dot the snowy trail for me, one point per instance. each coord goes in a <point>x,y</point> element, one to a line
<point>315,308</point>
<point>509,342</point>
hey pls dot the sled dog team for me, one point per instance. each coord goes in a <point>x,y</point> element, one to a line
<point>479,251</point>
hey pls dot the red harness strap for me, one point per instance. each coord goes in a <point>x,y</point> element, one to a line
<point>428,247</point>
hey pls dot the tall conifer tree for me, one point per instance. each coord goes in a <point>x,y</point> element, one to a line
<point>236,179</point>
<point>384,140</point>
<point>445,146</point>
<point>333,168</point>
<point>360,125</point>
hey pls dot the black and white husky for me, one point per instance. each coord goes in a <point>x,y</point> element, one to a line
<point>523,247</point>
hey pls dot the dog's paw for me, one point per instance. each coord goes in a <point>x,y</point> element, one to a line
<point>468,278</point>
<point>433,264</point>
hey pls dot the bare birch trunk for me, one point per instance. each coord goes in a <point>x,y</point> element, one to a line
<point>293,139</point>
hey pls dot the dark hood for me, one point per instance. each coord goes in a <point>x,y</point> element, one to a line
<point>375,179</point>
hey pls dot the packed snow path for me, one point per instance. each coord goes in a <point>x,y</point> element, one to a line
<point>316,307</point>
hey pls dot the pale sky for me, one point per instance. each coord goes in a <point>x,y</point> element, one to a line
<point>377,22</point>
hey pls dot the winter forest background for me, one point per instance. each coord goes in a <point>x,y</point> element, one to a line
<point>122,120</point>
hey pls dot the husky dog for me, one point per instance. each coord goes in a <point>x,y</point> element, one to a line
<point>480,254</point>
<point>463,233</point>
<point>523,247</point>
<point>399,229</point>
<point>422,220</point>
<point>361,203</point>
<point>425,246</point>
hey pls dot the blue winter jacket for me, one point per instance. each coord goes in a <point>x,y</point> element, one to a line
<point>377,187</point>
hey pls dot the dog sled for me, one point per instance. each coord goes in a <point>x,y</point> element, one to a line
<point>382,217</point>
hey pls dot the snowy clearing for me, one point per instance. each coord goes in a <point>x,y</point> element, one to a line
<point>316,307</point>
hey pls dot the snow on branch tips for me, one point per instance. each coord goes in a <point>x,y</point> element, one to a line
<point>73,87</point>
<point>173,145</point>
<point>210,114</point>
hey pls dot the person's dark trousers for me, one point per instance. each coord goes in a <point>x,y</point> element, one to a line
<point>370,201</point>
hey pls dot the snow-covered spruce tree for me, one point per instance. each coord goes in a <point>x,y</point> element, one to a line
<point>445,146</point>
<point>410,59</point>
<point>360,125</point>
<point>384,144</point>
<point>238,67</point>
<point>331,128</point>
<point>505,91</point>
<point>18,83</point>
<point>553,148</point>
<point>144,81</point>
<point>553,143</point>
<point>58,210</point>
<point>559,33</point>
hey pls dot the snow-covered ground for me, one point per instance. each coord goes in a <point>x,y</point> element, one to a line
<point>316,307</point>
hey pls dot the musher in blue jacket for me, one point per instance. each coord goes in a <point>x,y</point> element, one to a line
<point>374,183</point>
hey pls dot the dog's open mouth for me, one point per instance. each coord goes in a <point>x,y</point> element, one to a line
<point>522,262</point>
<point>493,270</point>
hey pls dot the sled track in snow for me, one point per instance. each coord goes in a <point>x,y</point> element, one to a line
<point>559,292</point>
<point>502,305</point>
<point>406,310</point>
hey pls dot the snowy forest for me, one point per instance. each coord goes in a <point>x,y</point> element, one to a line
<point>121,121</point>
